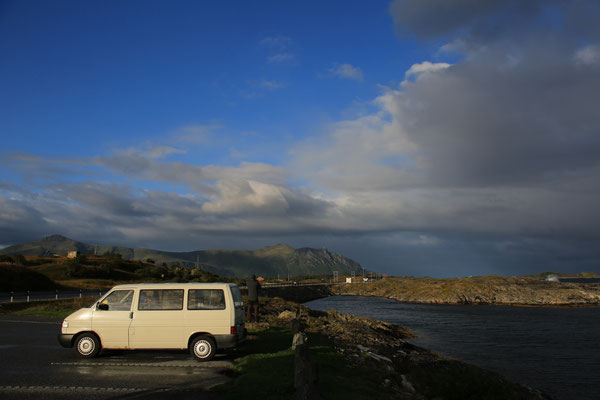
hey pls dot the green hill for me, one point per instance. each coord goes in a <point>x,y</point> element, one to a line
<point>18,278</point>
<point>271,261</point>
<point>36,273</point>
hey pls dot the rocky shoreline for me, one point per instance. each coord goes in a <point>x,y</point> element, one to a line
<point>406,371</point>
<point>496,290</point>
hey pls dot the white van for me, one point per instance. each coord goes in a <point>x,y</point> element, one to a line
<point>201,317</point>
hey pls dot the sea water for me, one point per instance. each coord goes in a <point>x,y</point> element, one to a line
<point>556,350</point>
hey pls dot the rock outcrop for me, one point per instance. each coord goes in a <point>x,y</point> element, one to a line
<point>406,371</point>
<point>477,290</point>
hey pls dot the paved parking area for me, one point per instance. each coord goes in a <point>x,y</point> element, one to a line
<point>34,364</point>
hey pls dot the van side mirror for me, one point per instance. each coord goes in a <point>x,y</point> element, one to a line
<point>103,306</point>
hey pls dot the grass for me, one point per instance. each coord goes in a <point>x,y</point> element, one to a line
<point>43,313</point>
<point>267,372</point>
<point>453,380</point>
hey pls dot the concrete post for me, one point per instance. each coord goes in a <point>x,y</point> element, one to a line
<point>306,374</point>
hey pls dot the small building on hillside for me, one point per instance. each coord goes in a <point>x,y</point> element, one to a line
<point>72,254</point>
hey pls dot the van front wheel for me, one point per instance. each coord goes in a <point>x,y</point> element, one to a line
<point>203,348</point>
<point>87,345</point>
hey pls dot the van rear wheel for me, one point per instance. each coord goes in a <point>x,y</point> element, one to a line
<point>87,345</point>
<point>203,348</point>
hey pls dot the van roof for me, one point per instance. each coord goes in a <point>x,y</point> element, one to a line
<point>165,285</point>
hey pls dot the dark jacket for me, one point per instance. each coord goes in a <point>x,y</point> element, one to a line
<point>253,289</point>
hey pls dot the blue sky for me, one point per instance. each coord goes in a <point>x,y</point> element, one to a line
<point>101,74</point>
<point>417,137</point>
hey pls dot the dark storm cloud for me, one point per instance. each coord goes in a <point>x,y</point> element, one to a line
<point>501,146</point>
<point>110,199</point>
<point>507,116</point>
<point>19,221</point>
<point>518,111</point>
<point>492,19</point>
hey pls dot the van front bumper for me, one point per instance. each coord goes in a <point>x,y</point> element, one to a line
<point>65,340</point>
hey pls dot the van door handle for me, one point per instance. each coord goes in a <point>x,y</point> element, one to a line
<point>131,315</point>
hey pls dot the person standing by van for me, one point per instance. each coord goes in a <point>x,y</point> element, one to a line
<point>253,291</point>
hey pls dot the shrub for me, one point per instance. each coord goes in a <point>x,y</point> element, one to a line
<point>19,259</point>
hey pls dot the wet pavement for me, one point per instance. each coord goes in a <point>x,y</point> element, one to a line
<point>34,364</point>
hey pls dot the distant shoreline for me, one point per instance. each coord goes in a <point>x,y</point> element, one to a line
<point>492,290</point>
<point>569,305</point>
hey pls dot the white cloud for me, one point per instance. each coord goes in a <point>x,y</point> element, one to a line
<point>424,67</point>
<point>280,58</point>
<point>236,196</point>
<point>163,151</point>
<point>347,71</point>
<point>195,134</point>
<point>278,49</point>
<point>269,84</point>
<point>588,55</point>
<point>276,41</point>
<point>425,240</point>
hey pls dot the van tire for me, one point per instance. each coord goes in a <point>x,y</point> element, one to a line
<point>87,345</point>
<point>203,348</point>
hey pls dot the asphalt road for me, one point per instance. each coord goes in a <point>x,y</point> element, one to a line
<point>33,364</point>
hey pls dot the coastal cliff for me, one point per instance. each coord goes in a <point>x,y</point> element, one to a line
<point>477,290</point>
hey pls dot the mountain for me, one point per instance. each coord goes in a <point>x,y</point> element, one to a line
<point>271,261</point>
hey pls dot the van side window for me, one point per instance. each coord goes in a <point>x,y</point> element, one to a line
<point>161,299</point>
<point>119,300</point>
<point>237,296</point>
<point>206,299</point>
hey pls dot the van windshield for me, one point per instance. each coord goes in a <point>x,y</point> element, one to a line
<point>119,300</point>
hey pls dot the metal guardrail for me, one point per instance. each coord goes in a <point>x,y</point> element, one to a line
<point>292,284</point>
<point>27,296</point>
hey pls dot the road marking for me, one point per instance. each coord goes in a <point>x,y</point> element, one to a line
<point>71,388</point>
<point>30,322</point>
<point>165,365</point>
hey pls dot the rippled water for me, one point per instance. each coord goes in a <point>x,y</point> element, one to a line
<point>556,350</point>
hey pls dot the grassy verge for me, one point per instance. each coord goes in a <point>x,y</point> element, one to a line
<point>46,308</point>
<point>267,372</point>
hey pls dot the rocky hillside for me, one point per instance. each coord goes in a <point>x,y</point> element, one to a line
<point>272,261</point>
<point>477,290</point>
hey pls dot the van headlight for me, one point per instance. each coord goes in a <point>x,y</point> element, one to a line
<point>65,324</point>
